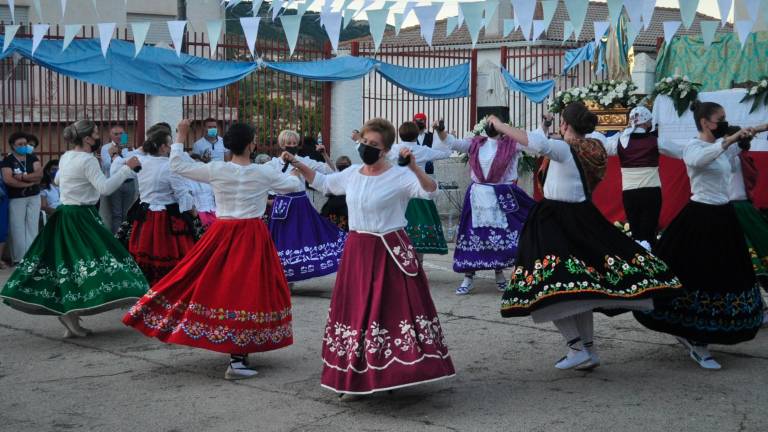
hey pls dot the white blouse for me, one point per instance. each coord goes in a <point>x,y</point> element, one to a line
<point>376,203</point>
<point>486,154</point>
<point>120,161</point>
<point>202,194</point>
<point>81,181</point>
<point>240,191</point>
<point>159,187</point>
<point>710,169</point>
<point>320,167</point>
<point>423,154</point>
<point>52,196</point>
<point>563,182</point>
<point>737,191</point>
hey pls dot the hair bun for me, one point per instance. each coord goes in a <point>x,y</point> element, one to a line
<point>70,133</point>
<point>695,105</point>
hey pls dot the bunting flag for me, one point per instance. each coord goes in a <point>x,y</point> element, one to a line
<point>633,30</point>
<point>567,30</point>
<point>64,7</point>
<point>250,27</point>
<point>614,11</point>
<point>724,6</point>
<point>10,33</point>
<point>303,7</point>
<point>399,18</point>
<point>348,14</point>
<point>490,8</point>
<point>600,28</point>
<point>366,4</point>
<point>548,7</point>
<point>105,36</point>
<point>524,10</point>
<point>70,31</point>
<point>409,7</point>
<point>743,29</point>
<point>333,28</point>
<point>708,30</point>
<point>255,7</point>
<point>634,10</point>
<point>388,4</point>
<point>176,29</point>
<point>344,6</point>
<point>577,10</point>
<point>276,6</point>
<point>461,17</point>
<point>509,26</point>
<point>377,21</point>
<point>451,23</point>
<point>538,29</point>
<point>95,8</point>
<point>233,3</point>
<point>427,16</point>
<point>649,6</point>
<point>11,7</point>
<point>214,33</point>
<point>139,30</point>
<point>291,25</point>
<point>670,28</point>
<point>688,11</point>
<point>473,16</point>
<point>752,7</point>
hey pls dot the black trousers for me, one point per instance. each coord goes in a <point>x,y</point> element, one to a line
<point>643,207</point>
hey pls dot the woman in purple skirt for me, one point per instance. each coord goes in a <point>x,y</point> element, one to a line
<point>494,210</point>
<point>308,244</point>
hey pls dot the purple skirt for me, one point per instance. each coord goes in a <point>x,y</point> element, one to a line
<point>487,248</point>
<point>308,244</point>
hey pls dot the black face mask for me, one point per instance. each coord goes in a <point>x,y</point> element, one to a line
<point>421,125</point>
<point>96,145</point>
<point>369,155</point>
<point>292,150</point>
<point>490,130</point>
<point>721,130</point>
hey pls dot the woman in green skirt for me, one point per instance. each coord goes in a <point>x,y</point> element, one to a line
<point>75,266</point>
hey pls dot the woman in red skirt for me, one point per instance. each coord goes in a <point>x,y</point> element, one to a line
<point>163,230</point>
<point>229,293</point>
<point>383,331</point>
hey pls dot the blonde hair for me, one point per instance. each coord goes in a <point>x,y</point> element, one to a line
<point>286,135</point>
<point>78,130</point>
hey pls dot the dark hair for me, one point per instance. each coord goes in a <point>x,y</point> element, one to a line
<point>78,130</point>
<point>577,116</point>
<point>210,120</point>
<point>158,128</point>
<point>17,136</point>
<point>33,138</point>
<point>47,180</point>
<point>382,127</point>
<point>155,140</point>
<point>409,132</point>
<point>238,137</point>
<point>703,110</point>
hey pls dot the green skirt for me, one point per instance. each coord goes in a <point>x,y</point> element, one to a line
<point>755,226</point>
<point>74,264</point>
<point>424,227</point>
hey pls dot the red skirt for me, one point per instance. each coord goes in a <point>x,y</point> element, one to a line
<point>228,294</point>
<point>153,246</point>
<point>382,331</point>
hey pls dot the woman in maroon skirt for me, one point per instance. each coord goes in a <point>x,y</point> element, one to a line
<point>229,293</point>
<point>163,231</point>
<point>383,331</point>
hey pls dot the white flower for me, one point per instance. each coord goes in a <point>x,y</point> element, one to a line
<point>753,91</point>
<point>764,83</point>
<point>684,94</point>
<point>560,93</point>
<point>668,80</point>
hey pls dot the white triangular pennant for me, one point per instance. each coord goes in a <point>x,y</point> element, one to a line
<point>140,31</point>
<point>10,33</point>
<point>649,6</point>
<point>670,28</point>
<point>509,26</point>
<point>490,9</point>
<point>524,10</point>
<point>366,5</point>
<point>408,8</point>
<point>344,5</point>
<point>233,3</point>
<point>348,14</point>
<point>460,17</point>
<point>633,30</point>
<point>473,17</point>
<point>256,6</point>
<point>333,28</point>
<point>614,11</point>
<point>538,29</point>
<point>567,30</point>
<point>743,29</point>
<point>70,31</point>
<point>105,36</point>
<point>11,7</point>
<point>548,7</point>
<point>752,7</point>
<point>399,19</point>
<point>634,10</point>
<point>176,29</point>
<point>577,11</point>
<point>303,7</point>
<point>64,8</point>
<point>377,21</point>
<point>276,6</point>
<point>214,33</point>
<point>451,23</point>
<point>708,30</point>
<point>688,11</point>
<point>600,28</point>
<point>291,25</point>
<point>250,27</point>
<point>427,15</point>
<point>724,6</point>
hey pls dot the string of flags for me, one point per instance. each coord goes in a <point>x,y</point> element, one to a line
<point>474,14</point>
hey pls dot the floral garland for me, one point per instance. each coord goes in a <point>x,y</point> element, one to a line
<point>680,89</point>
<point>603,93</point>
<point>757,94</point>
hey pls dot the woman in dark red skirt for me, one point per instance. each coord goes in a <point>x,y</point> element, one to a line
<point>228,294</point>
<point>163,231</point>
<point>383,331</point>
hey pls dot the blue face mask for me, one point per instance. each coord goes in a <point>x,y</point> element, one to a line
<point>123,139</point>
<point>25,150</point>
<point>213,132</point>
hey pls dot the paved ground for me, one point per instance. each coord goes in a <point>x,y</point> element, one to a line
<point>119,380</point>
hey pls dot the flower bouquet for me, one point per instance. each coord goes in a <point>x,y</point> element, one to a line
<point>600,94</point>
<point>758,94</point>
<point>680,89</point>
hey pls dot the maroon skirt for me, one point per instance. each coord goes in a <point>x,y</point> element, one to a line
<point>383,331</point>
<point>158,243</point>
